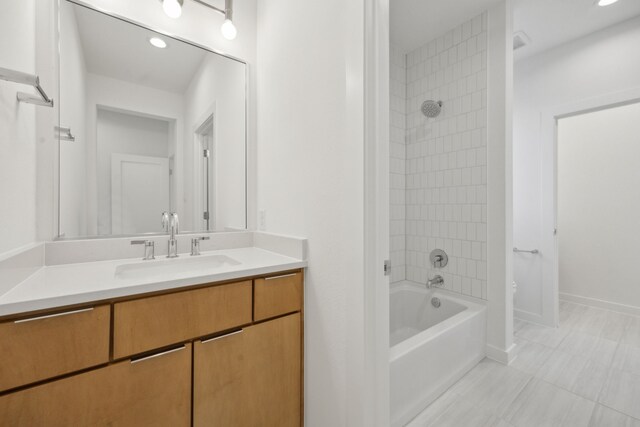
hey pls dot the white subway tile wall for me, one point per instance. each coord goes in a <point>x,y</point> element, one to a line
<point>398,158</point>
<point>446,159</point>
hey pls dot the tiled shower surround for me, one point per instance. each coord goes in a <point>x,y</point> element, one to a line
<point>445,172</point>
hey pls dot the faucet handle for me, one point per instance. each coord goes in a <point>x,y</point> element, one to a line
<point>175,222</point>
<point>195,244</point>
<point>149,248</point>
<point>438,258</point>
<point>164,221</point>
<point>141,242</point>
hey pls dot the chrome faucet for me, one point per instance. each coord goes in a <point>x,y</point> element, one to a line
<point>436,282</point>
<point>171,224</point>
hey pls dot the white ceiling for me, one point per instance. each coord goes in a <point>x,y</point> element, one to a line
<point>415,22</point>
<point>120,50</point>
<point>548,23</point>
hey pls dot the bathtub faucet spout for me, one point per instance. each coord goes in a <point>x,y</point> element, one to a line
<point>436,282</point>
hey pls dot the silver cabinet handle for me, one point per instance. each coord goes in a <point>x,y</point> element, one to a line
<point>280,277</point>
<point>221,336</point>
<point>53,315</point>
<point>153,356</point>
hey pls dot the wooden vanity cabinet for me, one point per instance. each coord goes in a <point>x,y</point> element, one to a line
<point>250,377</point>
<point>154,391</point>
<point>227,354</point>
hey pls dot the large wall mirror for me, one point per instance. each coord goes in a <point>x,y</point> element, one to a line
<point>149,124</point>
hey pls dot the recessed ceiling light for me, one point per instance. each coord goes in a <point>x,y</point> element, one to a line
<point>606,2</point>
<point>158,42</point>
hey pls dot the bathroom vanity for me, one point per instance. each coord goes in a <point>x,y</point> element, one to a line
<point>157,352</point>
<point>92,333</point>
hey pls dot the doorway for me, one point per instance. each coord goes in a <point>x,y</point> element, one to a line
<point>598,200</point>
<point>205,179</point>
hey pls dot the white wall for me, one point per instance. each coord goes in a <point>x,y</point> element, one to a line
<point>596,65</point>
<point>598,205</point>
<point>499,182</point>
<point>17,128</point>
<point>397,162</point>
<point>311,182</point>
<point>218,88</point>
<point>73,221</point>
<point>446,172</point>
<point>121,133</point>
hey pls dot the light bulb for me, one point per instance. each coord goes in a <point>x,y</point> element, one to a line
<point>229,31</point>
<point>173,8</point>
<point>606,2</point>
<point>158,42</point>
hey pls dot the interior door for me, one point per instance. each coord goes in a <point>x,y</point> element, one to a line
<point>139,193</point>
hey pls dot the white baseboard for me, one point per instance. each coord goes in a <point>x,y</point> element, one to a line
<point>528,316</point>
<point>598,303</point>
<point>499,355</point>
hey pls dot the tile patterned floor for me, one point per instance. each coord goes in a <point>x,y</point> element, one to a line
<point>584,374</point>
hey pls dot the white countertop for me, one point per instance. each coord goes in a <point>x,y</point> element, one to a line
<point>68,284</point>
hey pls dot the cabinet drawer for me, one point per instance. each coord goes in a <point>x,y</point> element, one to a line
<point>150,323</point>
<point>155,391</point>
<point>42,347</point>
<point>277,295</point>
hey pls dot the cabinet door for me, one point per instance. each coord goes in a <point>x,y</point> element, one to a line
<point>154,391</point>
<point>250,378</point>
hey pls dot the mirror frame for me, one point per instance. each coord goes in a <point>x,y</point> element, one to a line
<point>111,14</point>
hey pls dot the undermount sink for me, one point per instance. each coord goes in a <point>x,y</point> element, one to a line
<point>173,266</point>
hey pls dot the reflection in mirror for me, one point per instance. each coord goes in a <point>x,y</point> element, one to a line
<point>156,129</point>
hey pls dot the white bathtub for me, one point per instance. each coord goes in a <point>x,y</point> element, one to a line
<point>431,348</point>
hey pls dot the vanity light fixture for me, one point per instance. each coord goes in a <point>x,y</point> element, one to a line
<point>173,9</point>
<point>228,30</point>
<point>158,42</point>
<point>606,2</point>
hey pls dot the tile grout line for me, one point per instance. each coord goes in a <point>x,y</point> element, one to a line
<point>618,411</point>
<point>526,384</point>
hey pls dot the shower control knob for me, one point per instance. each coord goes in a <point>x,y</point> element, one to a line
<point>438,258</point>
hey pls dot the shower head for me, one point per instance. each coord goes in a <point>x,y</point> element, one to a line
<point>431,108</point>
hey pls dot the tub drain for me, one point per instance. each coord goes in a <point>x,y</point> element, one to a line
<point>435,302</point>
